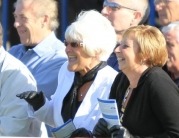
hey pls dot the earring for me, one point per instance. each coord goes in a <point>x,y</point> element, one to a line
<point>143,61</point>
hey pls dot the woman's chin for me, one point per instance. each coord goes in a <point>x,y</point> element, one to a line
<point>71,68</point>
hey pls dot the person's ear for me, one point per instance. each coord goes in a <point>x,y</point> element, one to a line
<point>45,20</point>
<point>97,55</point>
<point>137,18</point>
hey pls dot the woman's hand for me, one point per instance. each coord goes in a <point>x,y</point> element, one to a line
<point>100,129</point>
<point>81,132</point>
<point>119,132</point>
<point>35,99</point>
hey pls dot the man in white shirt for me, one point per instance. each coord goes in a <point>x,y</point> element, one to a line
<point>15,78</point>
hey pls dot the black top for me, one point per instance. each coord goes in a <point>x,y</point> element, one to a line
<point>70,103</point>
<point>171,75</point>
<point>153,108</point>
<point>176,81</point>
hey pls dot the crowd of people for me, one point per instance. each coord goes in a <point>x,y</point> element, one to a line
<point>107,55</point>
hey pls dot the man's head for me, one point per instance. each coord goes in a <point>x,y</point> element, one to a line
<point>167,11</point>
<point>35,19</point>
<point>130,13</point>
<point>171,33</point>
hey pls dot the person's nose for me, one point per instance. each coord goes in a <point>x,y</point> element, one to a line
<point>117,49</point>
<point>68,48</point>
<point>105,11</point>
<point>17,23</point>
<point>158,6</point>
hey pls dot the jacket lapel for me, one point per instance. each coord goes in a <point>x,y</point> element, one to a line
<point>65,83</point>
<point>90,101</point>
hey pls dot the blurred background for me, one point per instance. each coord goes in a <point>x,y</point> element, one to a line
<point>68,10</point>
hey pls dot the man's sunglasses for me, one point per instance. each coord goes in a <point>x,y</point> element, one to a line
<point>72,44</point>
<point>114,6</point>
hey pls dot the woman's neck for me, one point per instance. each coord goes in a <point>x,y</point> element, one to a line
<point>134,76</point>
<point>89,67</point>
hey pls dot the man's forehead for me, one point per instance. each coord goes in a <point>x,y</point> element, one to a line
<point>24,4</point>
<point>22,11</point>
<point>118,1</point>
<point>22,8</point>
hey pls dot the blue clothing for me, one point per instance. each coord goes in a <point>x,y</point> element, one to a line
<point>112,60</point>
<point>44,62</point>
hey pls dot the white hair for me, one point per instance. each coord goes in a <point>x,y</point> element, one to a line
<point>143,7</point>
<point>171,26</point>
<point>95,32</point>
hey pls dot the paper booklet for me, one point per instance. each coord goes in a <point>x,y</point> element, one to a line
<point>109,111</point>
<point>64,131</point>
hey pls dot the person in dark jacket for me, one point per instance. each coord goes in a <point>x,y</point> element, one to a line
<point>171,33</point>
<point>147,98</point>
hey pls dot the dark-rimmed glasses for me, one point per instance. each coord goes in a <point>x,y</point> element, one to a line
<point>73,44</point>
<point>115,6</point>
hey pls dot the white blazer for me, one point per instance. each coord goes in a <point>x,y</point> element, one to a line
<point>15,78</point>
<point>88,112</point>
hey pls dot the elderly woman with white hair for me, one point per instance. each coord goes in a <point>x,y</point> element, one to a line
<point>83,78</point>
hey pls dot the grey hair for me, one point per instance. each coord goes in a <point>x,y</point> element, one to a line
<point>145,15</point>
<point>45,7</point>
<point>142,6</point>
<point>171,26</point>
<point>95,32</point>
